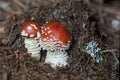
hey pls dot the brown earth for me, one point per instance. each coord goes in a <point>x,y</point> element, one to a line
<point>80,20</point>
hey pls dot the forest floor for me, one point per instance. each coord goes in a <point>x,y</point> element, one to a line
<point>87,20</point>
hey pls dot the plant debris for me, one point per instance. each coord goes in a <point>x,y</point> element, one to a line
<point>94,51</point>
<point>85,22</point>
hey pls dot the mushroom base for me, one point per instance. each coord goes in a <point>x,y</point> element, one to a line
<point>33,48</point>
<point>36,55</point>
<point>56,58</point>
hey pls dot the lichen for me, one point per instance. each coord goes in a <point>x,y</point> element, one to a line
<point>94,51</point>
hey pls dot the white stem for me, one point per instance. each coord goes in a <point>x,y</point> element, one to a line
<point>56,58</point>
<point>33,47</point>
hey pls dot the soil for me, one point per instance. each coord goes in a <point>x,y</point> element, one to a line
<point>85,26</point>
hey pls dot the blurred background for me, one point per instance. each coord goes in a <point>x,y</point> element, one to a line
<point>106,15</point>
<point>12,7</point>
<point>108,10</point>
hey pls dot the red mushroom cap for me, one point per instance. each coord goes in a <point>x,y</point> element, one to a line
<point>56,33</point>
<point>30,29</point>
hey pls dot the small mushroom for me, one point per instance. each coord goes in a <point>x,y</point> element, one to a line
<point>31,32</point>
<point>55,39</point>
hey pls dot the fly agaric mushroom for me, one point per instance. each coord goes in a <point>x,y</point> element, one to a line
<point>55,39</point>
<point>31,31</point>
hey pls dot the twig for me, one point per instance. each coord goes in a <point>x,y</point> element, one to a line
<point>15,12</point>
<point>5,76</point>
<point>109,50</point>
<point>100,12</point>
<point>117,61</point>
<point>112,11</point>
<point>87,1</point>
<point>101,9</point>
<point>2,29</point>
<point>20,4</point>
<point>113,53</point>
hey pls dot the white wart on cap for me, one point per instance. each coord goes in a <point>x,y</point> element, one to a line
<point>55,36</point>
<point>30,29</point>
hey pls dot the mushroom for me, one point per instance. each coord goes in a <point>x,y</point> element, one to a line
<point>31,32</point>
<point>55,39</point>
